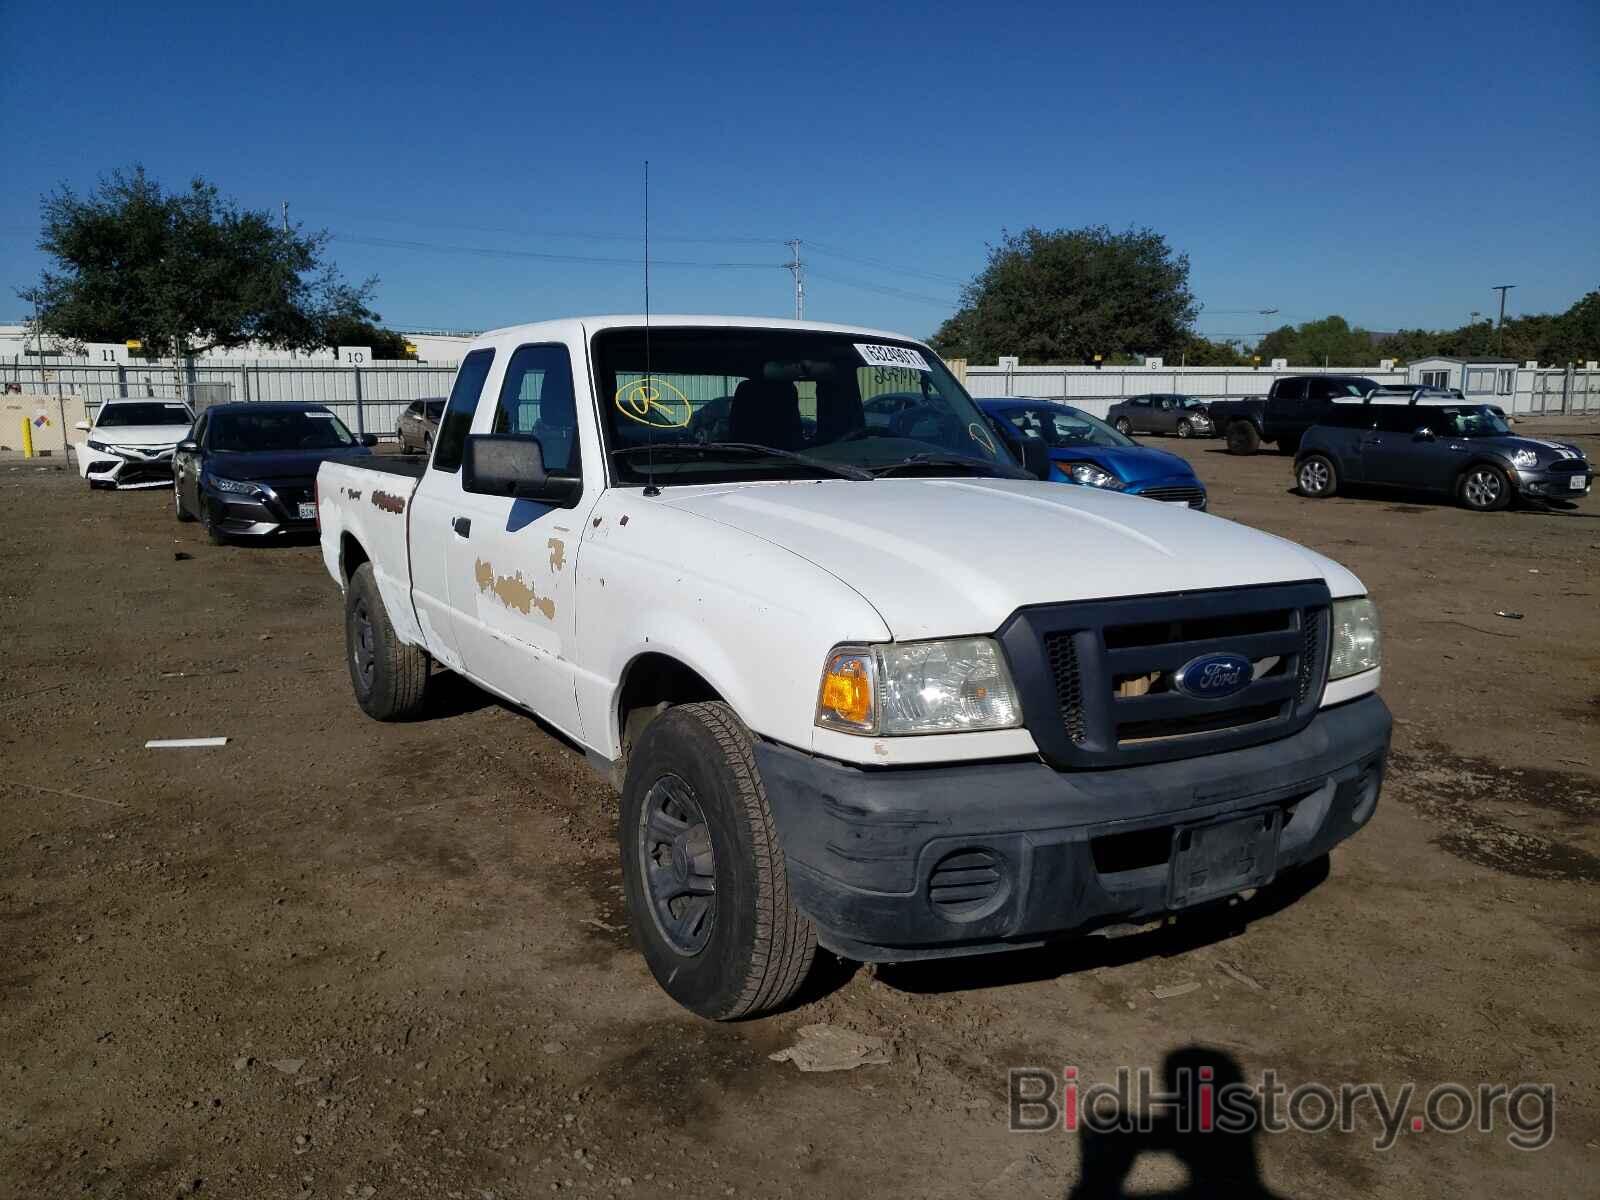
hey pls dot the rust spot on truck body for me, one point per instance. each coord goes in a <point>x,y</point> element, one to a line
<point>388,502</point>
<point>558,553</point>
<point>512,591</point>
<point>352,493</point>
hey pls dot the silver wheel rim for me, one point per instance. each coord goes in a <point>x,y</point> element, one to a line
<point>1123,427</point>
<point>1483,489</point>
<point>1183,429</point>
<point>1314,476</point>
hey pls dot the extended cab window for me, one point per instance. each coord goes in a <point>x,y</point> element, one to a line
<point>1291,390</point>
<point>457,419</point>
<point>536,400</point>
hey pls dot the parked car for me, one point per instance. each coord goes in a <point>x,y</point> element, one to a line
<point>249,470</point>
<point>1085,450</point>
<point>883,692</point>
<point>417,425</point>
<point>1439,445</point>
<point>1172,413</point>
<point>1291,406</point>
<point>130,443</point>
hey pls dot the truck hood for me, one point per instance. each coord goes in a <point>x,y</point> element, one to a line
<point>140,435</point>
<point>944,557</point>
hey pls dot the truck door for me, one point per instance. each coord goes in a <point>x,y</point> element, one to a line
<point>434,506</point>
<point>1284,413</point>
<point>511,568</point>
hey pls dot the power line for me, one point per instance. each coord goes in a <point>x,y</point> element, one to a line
<point>885,290</point>
<point>884,265</point>
<point>545,256</point>
<point>576,234</point>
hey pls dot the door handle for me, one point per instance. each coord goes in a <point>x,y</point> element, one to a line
<point>462,526</point>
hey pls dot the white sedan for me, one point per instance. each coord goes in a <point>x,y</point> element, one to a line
<point>131,442</point>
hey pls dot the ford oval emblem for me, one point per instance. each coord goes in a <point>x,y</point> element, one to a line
<point>1214,676</point>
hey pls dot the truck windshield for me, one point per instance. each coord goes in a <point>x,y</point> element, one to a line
<point>827,404</point>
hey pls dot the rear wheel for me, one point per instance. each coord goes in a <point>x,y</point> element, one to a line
<point>704,876</point>
<point>1124,426</point>
<point>1185,428</point>
<point>1484,488</point>
<point>389,676</point>
<point>1243,438</point>
<point>1317,476</point>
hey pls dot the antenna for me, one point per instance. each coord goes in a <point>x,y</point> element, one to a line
<point>798,270</point>
<point>649,385</point>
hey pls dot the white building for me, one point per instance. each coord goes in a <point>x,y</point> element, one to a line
<point>1480,379</point>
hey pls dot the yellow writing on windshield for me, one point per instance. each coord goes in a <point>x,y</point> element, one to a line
<point>654,402</point>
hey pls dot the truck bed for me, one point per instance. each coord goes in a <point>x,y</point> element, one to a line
<point>366,503</point>
<point>410,465</point>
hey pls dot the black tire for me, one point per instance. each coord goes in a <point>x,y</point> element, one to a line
<point>741,947</point>
<point>389,677</point>
<point>1483,487</point>
<point>183,514</point>
<point>1316,476</point>
<point>205,516</point>
<point>1185,428</point>
<point>1124,426</point>
<point>1243,438</point>
<point>427,445</point>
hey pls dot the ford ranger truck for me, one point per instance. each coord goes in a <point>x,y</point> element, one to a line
<point>868,687</point>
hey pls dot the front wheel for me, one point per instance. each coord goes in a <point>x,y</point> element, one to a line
<point>1484,488</point>
<point>703,874</point>
<point>1185,428</point>
<point>1243,438</point>
<point>1124,427</point>
<point>1317,477</point>
<point>389,676</point>
<point>183,514</point>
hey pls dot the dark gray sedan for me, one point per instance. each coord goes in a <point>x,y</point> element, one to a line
<point>1161,412</point>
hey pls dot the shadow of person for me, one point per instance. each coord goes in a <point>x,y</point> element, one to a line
<point>1214,1142</point>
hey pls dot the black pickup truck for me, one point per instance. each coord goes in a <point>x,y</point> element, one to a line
<point>1289,408</point>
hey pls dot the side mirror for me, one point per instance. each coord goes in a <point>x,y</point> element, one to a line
<point>1423,435</point>
<point>82,426</point>
<point>494,464</point>
<point>188,446</point>
<point>369,439</point>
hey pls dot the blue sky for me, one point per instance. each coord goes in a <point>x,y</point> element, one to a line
<point>1388,161</point>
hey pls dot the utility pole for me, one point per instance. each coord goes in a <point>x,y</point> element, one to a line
<point>798,269</point>
<point>1502,288</point>
<point>286,216</point>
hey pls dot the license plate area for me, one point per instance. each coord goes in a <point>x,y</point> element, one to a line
<point>1224,857</point>
<point>308,512</point>
<point>1577,482</point>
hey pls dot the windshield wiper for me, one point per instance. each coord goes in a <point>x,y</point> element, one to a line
<point>706,449</point>
<point>983,465</point>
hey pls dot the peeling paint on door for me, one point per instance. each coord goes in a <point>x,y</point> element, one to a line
<point>558,553</point>
<point>512,591</point>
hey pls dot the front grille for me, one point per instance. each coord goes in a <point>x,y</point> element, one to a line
<point>1192,496</point>
<point>291,493</point>
<point>1569,466</point>
<point>1062,656</point>
<point>1098,678</point>
<point>964,881</point>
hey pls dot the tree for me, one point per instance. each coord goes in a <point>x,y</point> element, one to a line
<point>1067,295</point>
<point>1197,351</point>
<point>185,271</point>
<point>1330,341</point>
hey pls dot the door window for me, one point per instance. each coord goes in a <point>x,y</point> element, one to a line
<point>457,419</point>
<point>536,400</point>
<point>1291,390</point>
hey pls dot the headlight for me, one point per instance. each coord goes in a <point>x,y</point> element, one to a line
<point>918,687</point>
<point>1357,644</point>
<point>235,485</point>
<point>100,446</point>
<point>1092,476</point>
<point>1525,458</point>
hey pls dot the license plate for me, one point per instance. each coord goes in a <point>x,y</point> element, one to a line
<point>1577,482</point>
<point>1215,860</point>
<point>308,512</point>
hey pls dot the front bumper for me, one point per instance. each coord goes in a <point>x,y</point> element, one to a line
<point>134,468</point>
<point>276,512</point>
<point>1554,485</point>
<point>871,852</point>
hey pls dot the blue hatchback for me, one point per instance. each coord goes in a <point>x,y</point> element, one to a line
<point>1086,451</point>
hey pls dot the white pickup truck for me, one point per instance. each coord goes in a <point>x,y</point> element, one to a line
<point>867,686</point>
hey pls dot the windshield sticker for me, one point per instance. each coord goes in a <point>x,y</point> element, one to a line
<point>654,402</point>
<point>320,416</point>
<point>981,435</point>
<point>892,356</point>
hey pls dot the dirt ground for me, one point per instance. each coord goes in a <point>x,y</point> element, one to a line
<point>343,959</point>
